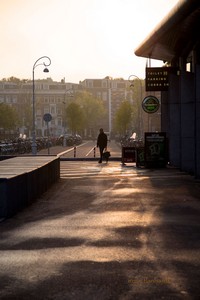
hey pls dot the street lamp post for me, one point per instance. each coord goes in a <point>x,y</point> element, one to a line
<point>36,64</point>
<point>70,94</point>
<point>131,80</point>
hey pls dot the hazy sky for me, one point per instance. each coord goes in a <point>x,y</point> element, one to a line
<point>83,38</point>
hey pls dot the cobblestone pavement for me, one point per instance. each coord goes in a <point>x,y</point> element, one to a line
<point>106,231</point>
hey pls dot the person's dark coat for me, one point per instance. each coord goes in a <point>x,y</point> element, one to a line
<point>102,140</point>
<point>102,143</point>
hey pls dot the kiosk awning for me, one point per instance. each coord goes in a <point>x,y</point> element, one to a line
<point>176,35</point>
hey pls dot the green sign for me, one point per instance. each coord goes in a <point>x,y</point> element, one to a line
<point>150,104</point>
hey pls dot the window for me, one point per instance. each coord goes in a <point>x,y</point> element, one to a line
<point>14,99</point>
<point>120,85</point>
<point>46,110</point>
<point>104,96</point>
<point>8,99</point>
<point>104,84</point>
<point>114,84</point>
<point>52,100</point>
<point>99,95</point>
<point>52,110</point>
<point>45,86</point>
<point>97,83</point>
<point>59,122</point>
<point>59,111</point>
<point>38,112</point>
<point>89,84</point>
<point>39,122</point>
<point>37,86</point>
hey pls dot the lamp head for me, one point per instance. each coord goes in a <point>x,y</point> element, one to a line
<point>45,70</point>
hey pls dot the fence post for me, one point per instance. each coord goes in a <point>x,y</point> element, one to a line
<point>94,151</point>
<point>74,151</point>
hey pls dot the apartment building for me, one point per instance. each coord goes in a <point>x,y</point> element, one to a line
<point>50,97</point>
<point>53,97</point>
<point>114,91</point>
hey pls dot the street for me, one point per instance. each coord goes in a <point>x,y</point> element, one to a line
<point>85,150</point>
<point>105,231</point>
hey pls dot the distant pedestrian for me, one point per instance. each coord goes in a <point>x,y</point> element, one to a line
<point>102,141</point>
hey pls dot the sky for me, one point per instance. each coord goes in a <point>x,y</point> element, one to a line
<point>83,38</point>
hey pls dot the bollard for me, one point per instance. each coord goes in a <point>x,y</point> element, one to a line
<point>64,141</point>
<point>94,151</point>
<point>74,151</point>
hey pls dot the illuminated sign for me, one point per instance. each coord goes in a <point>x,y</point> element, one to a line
<point>150,104</point>
<point>157,79</point>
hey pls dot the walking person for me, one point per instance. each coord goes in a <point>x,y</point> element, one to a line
<point>102,141</point>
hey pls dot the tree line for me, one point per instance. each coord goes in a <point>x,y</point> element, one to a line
<point>84,112</point>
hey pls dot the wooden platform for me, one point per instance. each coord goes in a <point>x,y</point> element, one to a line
<point>24,179</point>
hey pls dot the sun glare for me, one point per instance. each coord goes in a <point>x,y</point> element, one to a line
<point>84,38</point>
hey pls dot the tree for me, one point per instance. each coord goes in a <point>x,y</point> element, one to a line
<point>93,110</point>
<point>8,117</point>
<point>123,117</point>
<point>74,117</point>
<point>13,80</point>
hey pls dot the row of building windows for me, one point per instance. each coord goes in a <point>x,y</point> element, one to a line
<point>49,84</point>
<point>16,99</point>
<point>52,110</point>
<point>8,99</point>
<point>54,122</point>
<point>49,99</point>
<point>99,83</point>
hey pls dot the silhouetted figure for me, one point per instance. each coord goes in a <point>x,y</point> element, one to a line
<point>102,141</point>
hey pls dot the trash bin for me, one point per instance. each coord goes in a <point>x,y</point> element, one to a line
<point>128,154</point>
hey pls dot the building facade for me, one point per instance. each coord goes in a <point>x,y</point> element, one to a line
<point>176,42</point>
<point>53,97</point>
<point>112,92</point>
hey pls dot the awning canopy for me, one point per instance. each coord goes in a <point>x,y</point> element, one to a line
<point>176,35</point>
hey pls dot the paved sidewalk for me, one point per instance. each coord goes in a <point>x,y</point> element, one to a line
<point>105,232</point>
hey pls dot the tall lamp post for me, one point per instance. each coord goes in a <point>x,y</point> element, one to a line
<point>46,63</point>
<point>70,94</point>
<point>131,80</point>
